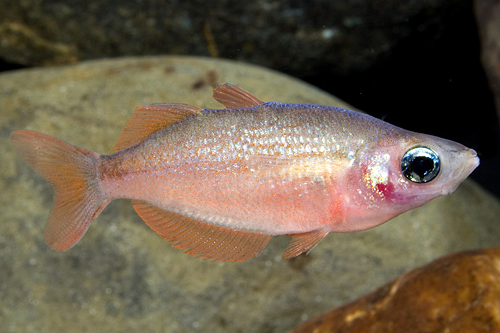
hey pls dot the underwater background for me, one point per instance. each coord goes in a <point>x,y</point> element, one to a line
<point>76,70</point>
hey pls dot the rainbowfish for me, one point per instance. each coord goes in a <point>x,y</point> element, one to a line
<point>218,184</point>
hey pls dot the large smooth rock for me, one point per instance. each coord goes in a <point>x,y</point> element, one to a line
<point>457,293</point>
<point>124,277</point>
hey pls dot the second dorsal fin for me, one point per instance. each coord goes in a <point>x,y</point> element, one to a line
<point>149,119</point>
<point>233,97</point>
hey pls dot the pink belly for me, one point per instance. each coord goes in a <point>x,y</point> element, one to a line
<point>242,201</point>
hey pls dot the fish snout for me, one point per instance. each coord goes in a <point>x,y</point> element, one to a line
<point>463,164</point>
<point>469,164</point>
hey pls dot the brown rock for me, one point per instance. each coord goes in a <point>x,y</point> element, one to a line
<point>456,293</point>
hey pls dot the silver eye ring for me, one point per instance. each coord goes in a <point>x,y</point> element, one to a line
<point>420,164</point>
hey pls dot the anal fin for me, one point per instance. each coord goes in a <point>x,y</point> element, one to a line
<point>303,242</point>
<point>201,239</point>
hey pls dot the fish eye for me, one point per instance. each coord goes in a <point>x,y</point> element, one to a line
<point>420,164</point>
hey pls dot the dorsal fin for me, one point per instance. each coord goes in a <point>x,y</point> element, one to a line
<point>149,119</point>
<point>304,242</point>
<point>201,239</point>
<point>233,97</point>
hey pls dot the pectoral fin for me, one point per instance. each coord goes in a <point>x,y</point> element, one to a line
<point>303,242</point>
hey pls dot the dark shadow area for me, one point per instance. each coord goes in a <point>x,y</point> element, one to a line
<point>6,66</point>
<point>432,84</point>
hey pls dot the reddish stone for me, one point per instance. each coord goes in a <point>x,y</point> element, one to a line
<point>456,293</point>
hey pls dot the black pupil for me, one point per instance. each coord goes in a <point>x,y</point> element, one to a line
<point>421,166</point>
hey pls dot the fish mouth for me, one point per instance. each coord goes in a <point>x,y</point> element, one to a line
<point>470,163</point>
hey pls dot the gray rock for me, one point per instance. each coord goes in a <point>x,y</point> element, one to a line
<point>124,277</point>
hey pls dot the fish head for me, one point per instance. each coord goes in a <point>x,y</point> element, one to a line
<point>397,174</point>
<point>425,167</point>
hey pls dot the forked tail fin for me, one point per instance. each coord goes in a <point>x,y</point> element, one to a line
<point>72,171</point>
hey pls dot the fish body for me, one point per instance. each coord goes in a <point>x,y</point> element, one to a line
<point>219,183</point>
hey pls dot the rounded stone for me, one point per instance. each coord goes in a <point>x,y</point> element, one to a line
<point>123,276</point>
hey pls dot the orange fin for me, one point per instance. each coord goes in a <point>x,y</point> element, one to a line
<point>72,171</point>
<point>304,242</point>
<point>201,239</point>
<point>233,97</point>
<point>149,119</point>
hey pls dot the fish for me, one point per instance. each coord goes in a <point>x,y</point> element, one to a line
<point>219,183</point>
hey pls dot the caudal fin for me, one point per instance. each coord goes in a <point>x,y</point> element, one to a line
<point>72,171</point>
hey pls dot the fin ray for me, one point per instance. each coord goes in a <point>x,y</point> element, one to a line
<point>201,239</point>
